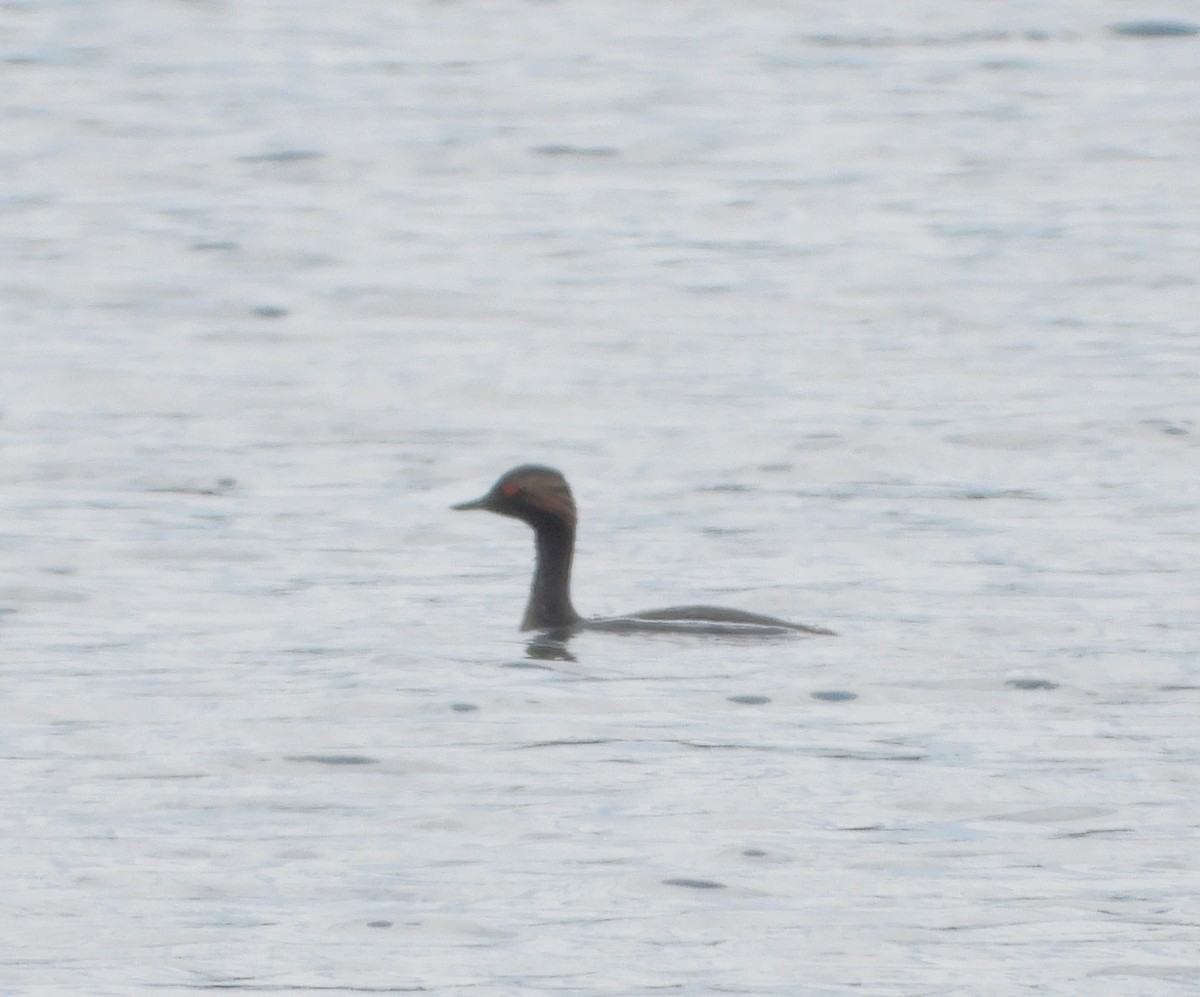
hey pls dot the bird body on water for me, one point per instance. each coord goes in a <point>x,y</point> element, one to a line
<point>540,497</point>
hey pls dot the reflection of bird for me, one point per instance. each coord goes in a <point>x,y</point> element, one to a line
<point>541,497</point>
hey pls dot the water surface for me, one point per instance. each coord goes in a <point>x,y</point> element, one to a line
<point>877,320</point>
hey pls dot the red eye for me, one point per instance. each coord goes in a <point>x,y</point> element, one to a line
<point>509,490</point>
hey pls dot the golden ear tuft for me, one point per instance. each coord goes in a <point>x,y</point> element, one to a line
<point>549,491</point>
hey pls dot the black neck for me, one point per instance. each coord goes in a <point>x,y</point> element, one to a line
<point>550,598</point>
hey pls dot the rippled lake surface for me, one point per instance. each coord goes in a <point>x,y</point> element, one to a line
<point>878,319</point>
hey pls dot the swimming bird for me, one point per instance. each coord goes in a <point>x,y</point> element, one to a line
<point>541,497</point>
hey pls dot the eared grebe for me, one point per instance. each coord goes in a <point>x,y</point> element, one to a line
<point>541,497</point>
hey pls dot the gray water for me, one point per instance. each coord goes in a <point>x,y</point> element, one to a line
<point>881,320</point>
